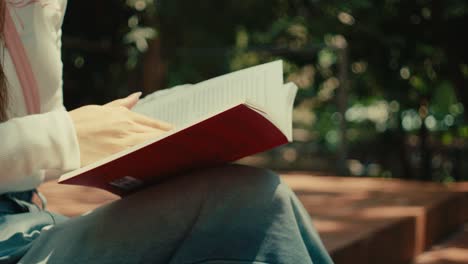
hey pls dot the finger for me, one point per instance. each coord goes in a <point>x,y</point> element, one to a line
<point>141,119</point>
<point>141,129</point>
<point>128,102</point>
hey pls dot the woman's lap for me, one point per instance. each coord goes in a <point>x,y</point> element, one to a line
<point>233,214</point>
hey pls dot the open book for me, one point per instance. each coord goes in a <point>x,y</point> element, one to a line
<point>216,121</point>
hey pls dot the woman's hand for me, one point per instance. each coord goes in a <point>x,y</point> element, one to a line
<point>111,128</point>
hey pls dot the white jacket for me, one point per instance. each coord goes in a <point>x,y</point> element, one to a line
<point>41,146</point>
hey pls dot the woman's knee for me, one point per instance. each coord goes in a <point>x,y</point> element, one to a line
<point>235,177</point>
<point>243,186</point>
<point>228,187</point>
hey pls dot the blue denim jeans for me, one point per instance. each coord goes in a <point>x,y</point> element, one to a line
<point>231,214</point>
<point>21,222</point>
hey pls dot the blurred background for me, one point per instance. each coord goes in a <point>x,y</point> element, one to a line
<point>383,84</point>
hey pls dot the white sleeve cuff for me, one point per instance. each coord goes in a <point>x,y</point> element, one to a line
<point>56,145</point>
<point>70,145</point>
<point>35,143</point>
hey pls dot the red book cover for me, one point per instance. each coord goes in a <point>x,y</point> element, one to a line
<point>230,135</point>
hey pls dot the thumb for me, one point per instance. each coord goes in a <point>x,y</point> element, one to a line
<point>128,102</point>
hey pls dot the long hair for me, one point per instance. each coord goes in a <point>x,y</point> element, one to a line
<point>3,86</point>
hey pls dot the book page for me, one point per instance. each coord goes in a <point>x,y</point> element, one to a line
<point>144,103</point>
<point>259,85</point>
<point>286,123</point>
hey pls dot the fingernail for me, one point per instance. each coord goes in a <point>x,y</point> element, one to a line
<point>166,125</point>
<point>137,95</point>
<point>169,126</point>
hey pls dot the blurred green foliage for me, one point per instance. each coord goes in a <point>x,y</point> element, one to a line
<point>407,64</point>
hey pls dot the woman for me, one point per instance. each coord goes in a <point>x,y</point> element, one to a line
<point>231,214</point>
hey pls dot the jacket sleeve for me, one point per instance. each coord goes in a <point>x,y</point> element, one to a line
<point>34,145</point>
